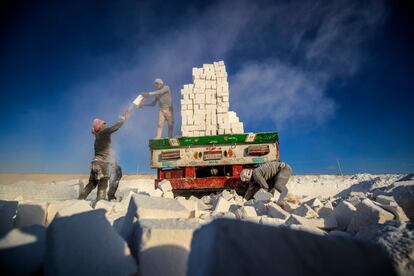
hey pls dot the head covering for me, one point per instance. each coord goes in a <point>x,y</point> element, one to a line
<point>96,125</point>
<point>159,81</point>
<point>246,175</point>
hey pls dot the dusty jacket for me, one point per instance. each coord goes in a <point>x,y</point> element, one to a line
<point>163,96</point>
<point>266,172</point>
<point>103,147</point>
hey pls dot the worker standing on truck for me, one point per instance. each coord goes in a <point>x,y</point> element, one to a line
<point>270,175</point>
<point>163,97</point>
<point>102,162</point>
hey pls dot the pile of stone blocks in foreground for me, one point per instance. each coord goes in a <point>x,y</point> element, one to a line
<point>151,232</point>
<point>205,103</point>
<point>231,247</point>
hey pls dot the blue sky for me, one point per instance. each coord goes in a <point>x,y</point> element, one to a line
<point>334,78</point>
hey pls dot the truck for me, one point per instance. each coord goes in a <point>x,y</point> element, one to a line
<point>211,163</point>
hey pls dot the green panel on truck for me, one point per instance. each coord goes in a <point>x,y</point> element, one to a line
<point>244,138</point>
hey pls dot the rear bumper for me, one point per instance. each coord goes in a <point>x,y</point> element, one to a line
<point>207,183</point>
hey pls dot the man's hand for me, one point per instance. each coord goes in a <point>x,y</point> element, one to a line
<point>146,94</point>
<point>127,113</point>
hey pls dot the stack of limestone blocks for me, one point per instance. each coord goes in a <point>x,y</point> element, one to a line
<point>205,103</point>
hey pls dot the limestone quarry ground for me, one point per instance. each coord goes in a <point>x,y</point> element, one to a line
<point>361,221</point>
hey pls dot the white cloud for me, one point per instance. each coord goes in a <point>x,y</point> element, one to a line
<point>325,41</point>
<point>280,93</point>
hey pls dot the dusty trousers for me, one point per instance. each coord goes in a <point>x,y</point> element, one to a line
<point>116,176</point>
<point>98,177</point>
<point>282,177</point>
<point>165,114</point>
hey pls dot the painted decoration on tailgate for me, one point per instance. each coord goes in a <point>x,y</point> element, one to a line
<point>256,138</point>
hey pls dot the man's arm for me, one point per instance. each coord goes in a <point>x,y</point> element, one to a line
<point>161,91</point>
<point>115,126</point>
<point>119,123</point>
<point>259,179</point>
<point>151,103</point>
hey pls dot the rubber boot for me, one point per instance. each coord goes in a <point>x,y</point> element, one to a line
<point>86,191</point>
<point>102,185</point>
<point>112,190</point>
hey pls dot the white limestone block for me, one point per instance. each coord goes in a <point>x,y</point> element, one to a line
<point>156,208</point>
<point>275,211</point>
<point>224,125</point>
<point>77,206</point>
<point>326,224</point>
<point>223,104</point>
<point>188,204</point>
<point>343,213</point>
<point>165,185</point>
<point>309,229</point>
<point>305,211</point>
<point>222,109</point>
<point>233,247</point>
<point>198,89</point>
<point>165,245</point>
<point>262,195</point>
<point>367,213</point>
<point>138,101</point>
<point>271,221</point>
<point>387,200</point>
<point>289,206</point>
<point>314,203</point>
<point>394,209</point>
<point>232,116</point>
<point>245,212</point>
<point>8,210</point>
<point>326,210</point>
<point>29,213</point>
<point>86,244</point>
<point>221,205</point>
<point>199,203</point>
<point>111,208</point>
<point>168,194</point>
